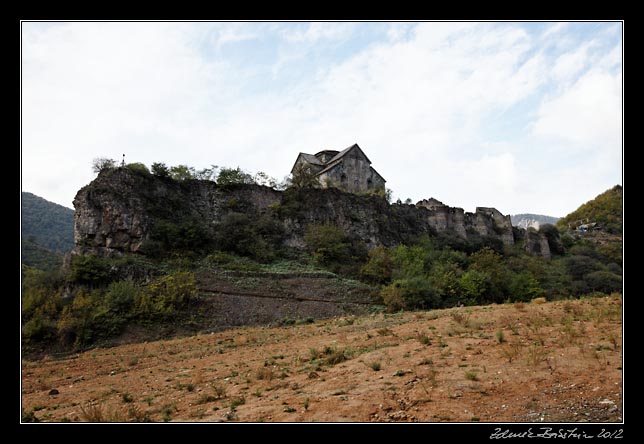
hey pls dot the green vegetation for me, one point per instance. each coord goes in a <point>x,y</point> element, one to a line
<point>95,298</point>
<point>605,210</point>
<point>45,224</point>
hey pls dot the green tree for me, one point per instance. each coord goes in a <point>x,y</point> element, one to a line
<point>413,293</point>
<point>304,176</point>
<point>524,287</point>
<point>160,169</point>
<point>489,262</point>
<point>379,266</point>
<point>233,176</point>
<point>328,243</point>
<point>182,172</point>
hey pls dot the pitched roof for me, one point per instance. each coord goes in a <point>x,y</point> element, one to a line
<point>310,158</point>
<point>342,153</point>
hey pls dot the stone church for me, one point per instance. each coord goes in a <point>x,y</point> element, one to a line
<point>349,169</point>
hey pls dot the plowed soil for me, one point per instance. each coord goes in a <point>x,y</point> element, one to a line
<point>551,362</point>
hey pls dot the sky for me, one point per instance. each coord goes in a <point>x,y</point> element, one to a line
<point>523,117</point>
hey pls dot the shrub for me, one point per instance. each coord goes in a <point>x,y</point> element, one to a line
<point>411,293</point>
<point>604,281</point>
<point>524,287</point>
<point>165,295</point>
<point>120,296</point>
<point>230,176</point>
<point>138,168</point>
<point>328,243</point>
<point>378,268</point>
<point>182,173</point>
<point>579,266</point>
<point>89,270</point>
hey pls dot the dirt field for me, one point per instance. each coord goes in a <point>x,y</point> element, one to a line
<point>549,362</point>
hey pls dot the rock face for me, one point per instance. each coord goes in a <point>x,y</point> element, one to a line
<point>537,243</point>
<point>116,212</point>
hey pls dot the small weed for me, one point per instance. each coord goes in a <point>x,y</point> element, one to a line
<point>127,397</point>
<point>460,318</point>
<point>427,361</point>
<point>385,332</point>
<point>471,376</point>
<point>511,351</point>
<point>290,410</point>
<point>137,415</point>
<point>536,354</point>
<point>401,373</point>
<point>376,366</point>
<point>424,339</point>
<point>236,402</point>
<point>220,391</point>
<point>149,400</point>
<point>475,419</point>
<point>206,398</point>
<point>190,387</point>
<point>257,393</point>
<point>313,354</point>
<point>500,336</point>
<point>264,374</point>
<point>306,403</point>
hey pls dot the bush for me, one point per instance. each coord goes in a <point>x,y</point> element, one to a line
<point>163,296</point>
<point>524,287</point>
<point>328,243</point>
<point>138,168</point>
<point>378,268</point>
<point>579,266</point>
<point>120,296</point>
<point>604,281</point>
<point>230,176</point>
<point>475,286</point>
<point>89,270</point>
<point>412,293</point>
<point>186,235</point>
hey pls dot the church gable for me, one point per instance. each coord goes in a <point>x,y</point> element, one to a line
<point>349,169</point>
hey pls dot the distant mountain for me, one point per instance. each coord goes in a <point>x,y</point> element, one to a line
<point>47,224</point>
<point>605,210</point>
<point>37,256</point>
<point>526,220</point>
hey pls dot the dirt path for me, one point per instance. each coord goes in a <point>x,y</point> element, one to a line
<point>558,361</point>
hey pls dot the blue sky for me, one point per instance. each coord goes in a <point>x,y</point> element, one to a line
<point>524,117</point>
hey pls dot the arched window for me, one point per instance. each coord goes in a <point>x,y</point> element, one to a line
<point>343,178</point>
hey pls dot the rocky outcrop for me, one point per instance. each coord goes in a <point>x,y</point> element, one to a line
<point>537,243</point>
<point>117,211</point>
<point>484,221</point>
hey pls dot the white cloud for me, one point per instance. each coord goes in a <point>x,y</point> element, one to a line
<point>420,100</point>
<point>586,116</point>
<point>314,32</point>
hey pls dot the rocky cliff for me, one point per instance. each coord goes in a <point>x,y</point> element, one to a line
<point>117,212</point>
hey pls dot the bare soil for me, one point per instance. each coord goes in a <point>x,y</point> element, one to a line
<point>551,362</point>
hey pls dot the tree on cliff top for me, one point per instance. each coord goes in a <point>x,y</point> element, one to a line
<point>304,177</point>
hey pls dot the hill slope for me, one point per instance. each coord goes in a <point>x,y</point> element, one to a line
<point>557,362</point>
<point>49,224</point>
<point>605,210</point>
